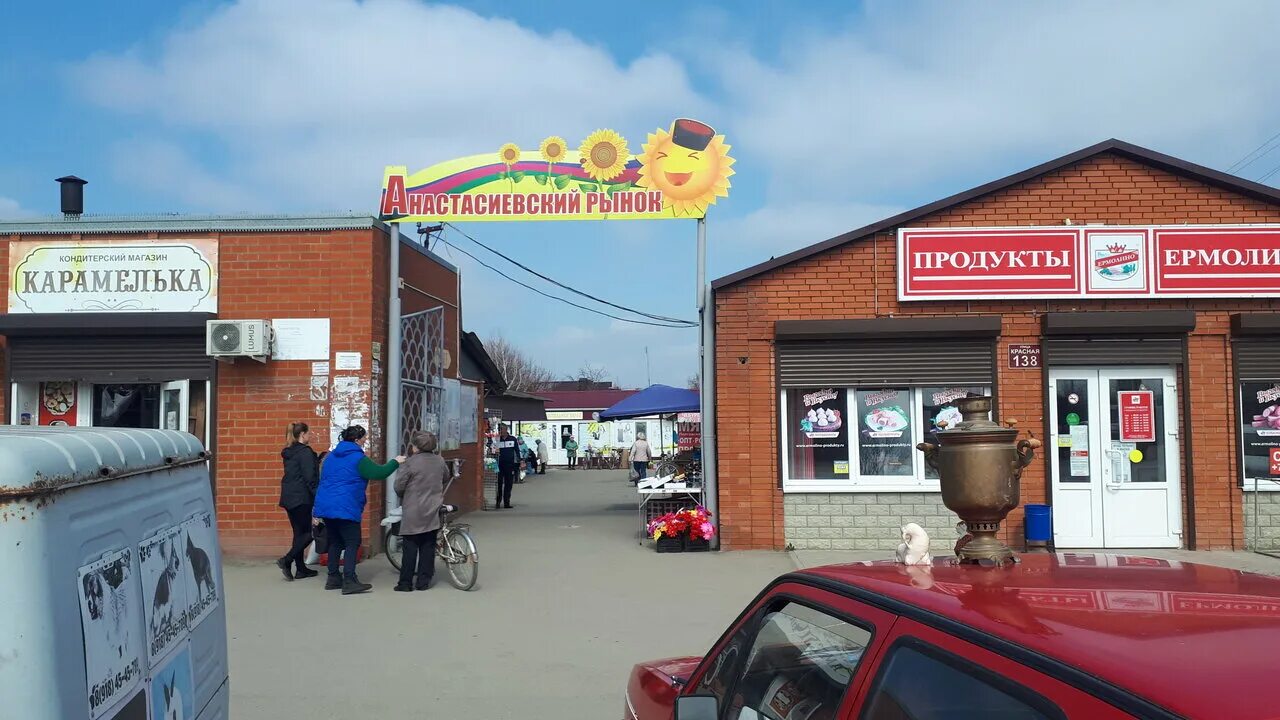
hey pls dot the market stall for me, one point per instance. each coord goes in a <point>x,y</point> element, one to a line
<point>677,482</point>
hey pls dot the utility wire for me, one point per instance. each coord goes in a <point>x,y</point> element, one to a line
<point>1249,159</point>
<point>526,268</point>
<point>556,297</point>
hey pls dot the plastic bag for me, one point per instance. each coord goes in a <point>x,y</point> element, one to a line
<point>634,475</point>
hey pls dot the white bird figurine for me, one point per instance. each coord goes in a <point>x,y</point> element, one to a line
<point>914,549</point>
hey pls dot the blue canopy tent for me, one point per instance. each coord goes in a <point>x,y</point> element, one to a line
<point>654,400</point>
<point>657,400</point>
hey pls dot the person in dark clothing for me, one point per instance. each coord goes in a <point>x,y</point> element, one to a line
<point>508,466</point>
<point>340,502</point>
<point>297,495</point>
<point>420,484</point>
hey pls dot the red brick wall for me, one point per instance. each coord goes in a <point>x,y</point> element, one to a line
<point>859,281</point>
<point>284,275</point>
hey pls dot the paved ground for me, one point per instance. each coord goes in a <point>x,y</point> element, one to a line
<point>567,602</point>
<point>1242,560</point>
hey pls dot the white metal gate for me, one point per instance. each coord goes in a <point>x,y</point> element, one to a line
<point>421,373</point>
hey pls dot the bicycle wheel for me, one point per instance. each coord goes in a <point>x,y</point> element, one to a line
<point>395,548</point>
<point>460,555</point>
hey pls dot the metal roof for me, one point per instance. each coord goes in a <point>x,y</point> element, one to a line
<point>1168,163</point>
<point>60,225</point>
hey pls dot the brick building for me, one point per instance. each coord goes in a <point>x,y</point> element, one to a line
<point>106,325</point>
<point>1117,302</point>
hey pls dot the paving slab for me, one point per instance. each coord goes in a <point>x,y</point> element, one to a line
<point>567,602</point>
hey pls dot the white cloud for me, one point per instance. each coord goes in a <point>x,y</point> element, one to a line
<point>778,229</point>
<point>312,97</point>
<point>916,94</point>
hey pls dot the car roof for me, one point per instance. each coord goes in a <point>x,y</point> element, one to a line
<point>1198,640</point>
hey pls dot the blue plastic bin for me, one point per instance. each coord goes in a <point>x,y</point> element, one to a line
<point>1039,523</point>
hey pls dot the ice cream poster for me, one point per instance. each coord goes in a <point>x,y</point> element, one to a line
<point>1259,427</point>
<point>822,418</point>
<point>678,172</point>
<point>819,434</point>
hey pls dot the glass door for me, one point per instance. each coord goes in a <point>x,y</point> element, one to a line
<point>1142,499</point>
<point>174,405</point>
<point>1114,457</point>
<point>1073,451</point>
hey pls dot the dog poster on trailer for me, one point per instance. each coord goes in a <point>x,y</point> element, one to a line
<point>164,592</point>
<point>198,543</point>
<point>111,617</point>
<point>172,687</point>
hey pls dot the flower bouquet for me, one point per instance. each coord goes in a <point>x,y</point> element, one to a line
<point>688,530</point>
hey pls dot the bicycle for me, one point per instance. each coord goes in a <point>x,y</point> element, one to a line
<point>454,545</point>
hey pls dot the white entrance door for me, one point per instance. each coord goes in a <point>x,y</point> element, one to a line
<point>1114,457</point>
<point>175,398</point>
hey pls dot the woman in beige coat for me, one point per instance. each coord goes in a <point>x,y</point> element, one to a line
<point>420,484</point>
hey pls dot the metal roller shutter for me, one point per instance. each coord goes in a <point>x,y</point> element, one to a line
<point>1257,358</point>
<point>1114,351</point>
<point>851,363</point>
<point>110,358</point>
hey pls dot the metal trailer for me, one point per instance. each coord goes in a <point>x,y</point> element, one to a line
<point>111,594</point>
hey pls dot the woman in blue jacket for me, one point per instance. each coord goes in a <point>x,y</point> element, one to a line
<point>340,501</point>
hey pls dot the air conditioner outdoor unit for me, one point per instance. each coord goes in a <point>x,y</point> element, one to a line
<point>225,339</point>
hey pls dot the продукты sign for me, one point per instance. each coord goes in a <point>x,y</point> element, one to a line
<point>1093,261</point>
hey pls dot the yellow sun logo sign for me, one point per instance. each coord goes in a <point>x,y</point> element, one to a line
<point>690,165</point>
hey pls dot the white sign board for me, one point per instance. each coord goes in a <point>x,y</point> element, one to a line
<point>301,339</point>
<point>451,431</point>
<point>56,276</point>
<point>111,617</point>
<point>347,361</point>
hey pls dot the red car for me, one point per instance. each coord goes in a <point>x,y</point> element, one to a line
<point>1071,635</point>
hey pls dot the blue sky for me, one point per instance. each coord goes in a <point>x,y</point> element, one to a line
<point>839,113</point>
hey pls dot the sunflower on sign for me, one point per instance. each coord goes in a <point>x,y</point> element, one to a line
<point>553,150</point>
<point>604,155</point>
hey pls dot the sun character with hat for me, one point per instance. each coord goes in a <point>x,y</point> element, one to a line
<point>689,165</point>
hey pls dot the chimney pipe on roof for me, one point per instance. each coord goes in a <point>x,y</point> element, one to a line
<point>72,196</point>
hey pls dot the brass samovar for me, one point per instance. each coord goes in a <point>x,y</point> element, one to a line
<point>980,465</point>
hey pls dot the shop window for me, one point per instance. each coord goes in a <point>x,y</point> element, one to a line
<point>864,439</point>
<point>819,433</point>
<point>1260,435</point>
<point>128,406</point>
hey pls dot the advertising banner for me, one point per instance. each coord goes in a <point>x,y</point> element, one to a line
<point>54,276</point>
<point>164,592</point>
<point>885,448</point>
<point>678,173</point>
<point>1260,431</point>
<point>1092,261</point>
<point>819,433</point>
<point>58,403</point>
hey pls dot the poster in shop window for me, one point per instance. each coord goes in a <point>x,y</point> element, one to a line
<point>58,403</point>
<point>1260,430</point>
<point>819,433</point>
<point>111,618</point>
<point>884,432</point>
<point>939,406</point>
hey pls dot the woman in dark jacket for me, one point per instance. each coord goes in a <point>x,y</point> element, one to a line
<point>340,502</point>
<point>297,495</point>
<point>420,485</point>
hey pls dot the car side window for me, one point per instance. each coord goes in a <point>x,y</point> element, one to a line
<point>797,665</point>
<point>919,682</point>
